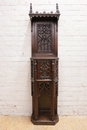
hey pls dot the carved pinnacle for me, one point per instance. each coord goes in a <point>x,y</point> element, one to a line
<point>57,11</point>
<point>30,7</point>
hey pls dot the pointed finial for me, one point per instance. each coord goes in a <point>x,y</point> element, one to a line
<point>30,8</point>
<point>57,11</point>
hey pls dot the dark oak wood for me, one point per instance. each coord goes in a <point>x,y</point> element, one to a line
<point>44,66</point>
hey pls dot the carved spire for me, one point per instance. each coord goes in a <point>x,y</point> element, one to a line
<point>57,10</point>
<point>30,8</point>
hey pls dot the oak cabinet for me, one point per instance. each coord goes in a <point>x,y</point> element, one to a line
<point>44,67</point>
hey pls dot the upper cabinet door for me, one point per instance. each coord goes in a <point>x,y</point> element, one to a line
<point>43,40</point>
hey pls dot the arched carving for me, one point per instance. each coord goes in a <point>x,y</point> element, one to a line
<point>44,32</point>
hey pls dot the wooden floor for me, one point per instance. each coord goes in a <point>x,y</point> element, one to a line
<point>24,123</point>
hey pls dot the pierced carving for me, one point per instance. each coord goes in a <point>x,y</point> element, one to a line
<point>44,69</point>
<point>44,32</point>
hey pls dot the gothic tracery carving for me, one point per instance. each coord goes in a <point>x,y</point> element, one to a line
<point>44,85</point>
<point>44,70</point>
<point>44,37</point>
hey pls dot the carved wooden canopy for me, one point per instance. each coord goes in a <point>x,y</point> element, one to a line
<point>44,14</point>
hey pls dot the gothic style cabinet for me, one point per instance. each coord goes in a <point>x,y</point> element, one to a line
<point>44,67</point>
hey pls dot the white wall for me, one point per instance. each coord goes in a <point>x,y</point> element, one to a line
<point>15,53</point>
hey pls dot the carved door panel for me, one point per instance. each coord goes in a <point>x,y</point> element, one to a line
<point>44,96</point>
<point>44,69</point>
<point>44,39</point>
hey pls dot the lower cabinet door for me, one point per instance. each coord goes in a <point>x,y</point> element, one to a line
<point>44,97</point>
